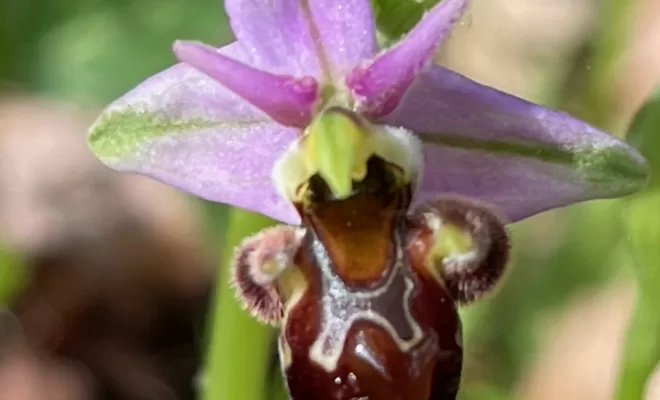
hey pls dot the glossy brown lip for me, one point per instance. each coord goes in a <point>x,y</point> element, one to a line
<point>396,324</point>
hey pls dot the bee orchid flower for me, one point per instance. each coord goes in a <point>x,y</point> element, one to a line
<point>395,177</point>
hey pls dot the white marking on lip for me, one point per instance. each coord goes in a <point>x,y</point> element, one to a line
<point>286,358</point>
<point>364,353</point>
<point>329,345</point>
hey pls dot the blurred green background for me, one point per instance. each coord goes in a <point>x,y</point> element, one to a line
<point>555,327</point>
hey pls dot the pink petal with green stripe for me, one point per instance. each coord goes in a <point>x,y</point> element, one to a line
<point>519,156</point>
<point>185,129</point>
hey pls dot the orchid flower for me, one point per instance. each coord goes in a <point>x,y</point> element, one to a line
<point>305,120</point>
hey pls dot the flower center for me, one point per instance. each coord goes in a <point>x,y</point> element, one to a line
<point>337,147</point>
<point>332,95</point>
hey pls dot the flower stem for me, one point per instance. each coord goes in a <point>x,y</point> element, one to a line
<point>278,390</point>
<point>641,218</point>
<point>239,350</point>
<point>642,348</point>
<point>641,352</point>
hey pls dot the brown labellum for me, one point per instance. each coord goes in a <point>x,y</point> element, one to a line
<point>470,273</point>
<point>367,295</point>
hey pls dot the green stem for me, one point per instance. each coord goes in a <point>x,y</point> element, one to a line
<point>642,348</point>
<point>641,351</point>
<point>278,389</point>
<point>240,347</point>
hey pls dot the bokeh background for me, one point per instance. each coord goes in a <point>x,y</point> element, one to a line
<point>107,279</point>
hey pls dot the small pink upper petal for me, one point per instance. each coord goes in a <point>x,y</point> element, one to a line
<point>287,100</point>
<point>379,84</point>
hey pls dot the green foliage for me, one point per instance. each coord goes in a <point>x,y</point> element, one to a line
<point>101,52</point>
<point>641,219</point>
<point>12,274</point>
<point>644,134</point>
<point>596,94</point>
<point>237,359</point>
<point>396,17</point>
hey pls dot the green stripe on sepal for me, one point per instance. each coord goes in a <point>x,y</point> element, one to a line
<point>644,134</point>
<point>610,168</point>
<point>119,133</point>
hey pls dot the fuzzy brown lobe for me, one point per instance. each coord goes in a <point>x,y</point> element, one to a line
<point>263,301</point>
<point>253,281</point>
<point>469,280</point>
